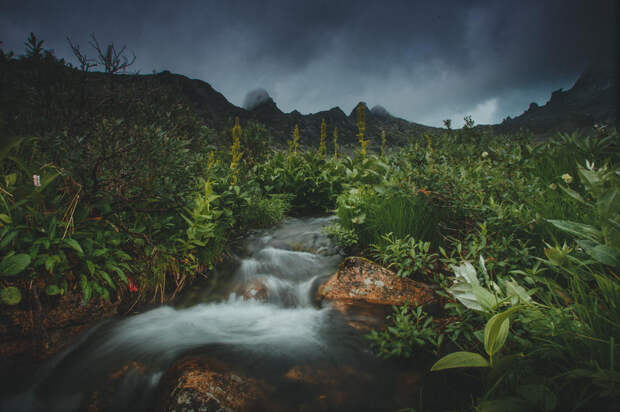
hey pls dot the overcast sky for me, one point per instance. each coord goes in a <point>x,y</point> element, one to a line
<point>424,61</point>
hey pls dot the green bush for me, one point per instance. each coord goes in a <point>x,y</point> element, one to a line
<point>407,256</point>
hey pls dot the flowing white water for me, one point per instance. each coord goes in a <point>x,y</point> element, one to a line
<point>286,263</point>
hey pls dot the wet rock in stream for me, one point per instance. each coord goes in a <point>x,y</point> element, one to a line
<point>365,292</point>
<point>197,384</point>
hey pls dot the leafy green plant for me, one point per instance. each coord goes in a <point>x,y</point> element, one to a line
<point>407,256</point>
<point>602,243</point>
<point>495,335</point>
<point>411,328</point>
<point>345,238</point>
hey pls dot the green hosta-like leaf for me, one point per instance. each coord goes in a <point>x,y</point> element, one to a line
<point>52,290</point>
<point>460,360</point>
<point>13,264</point>
<point>10,295</point>
<point>496,331</point>
<point>463,293</point>
<point>516,292</point>
<point>580,230</point>
<point>486,299</point>
<point>467,289</point>
<point>466,272</point>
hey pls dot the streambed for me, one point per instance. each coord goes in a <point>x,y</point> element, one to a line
<point>260,318</point>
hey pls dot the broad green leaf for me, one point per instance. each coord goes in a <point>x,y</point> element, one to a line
<point>52,290</point>
<point>73,244</point>
<point>575,195</point>
<point>11,265</point>
<point>10,295</point>
<point>589,178</point>
<point>609,204</point>
<point>496,331</point>
<point>486,299</point>
<point>580,230</point>
<point>467,272</point>
<point>460,360</point>
<point>516,292</point>
<point>605,255</point>
<point>5,218</point>
<point>463,293</point>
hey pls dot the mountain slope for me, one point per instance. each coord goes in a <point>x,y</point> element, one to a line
<point>592,99</point>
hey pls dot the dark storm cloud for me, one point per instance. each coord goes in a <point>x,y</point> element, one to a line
<point>424,61</point>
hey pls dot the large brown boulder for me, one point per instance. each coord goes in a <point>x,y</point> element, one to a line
<point>365,292</point>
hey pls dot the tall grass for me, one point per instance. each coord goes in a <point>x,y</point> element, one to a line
<point>402,214</point>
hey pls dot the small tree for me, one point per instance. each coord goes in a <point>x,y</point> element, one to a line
<point>34,47</point>
<point>86,63</point>
<point>112,60</point>
<point>468,127</point>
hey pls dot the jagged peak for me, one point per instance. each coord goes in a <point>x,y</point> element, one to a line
<point>257,97</point>
<point>354,111</point>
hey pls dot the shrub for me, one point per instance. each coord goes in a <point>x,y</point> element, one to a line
<point>407,256</point>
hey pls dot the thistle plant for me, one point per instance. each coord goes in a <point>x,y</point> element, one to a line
<point>361,127</point>
<point>322,146</point>
<point>335,143</point>
<point>235,151</point>
<point>293,145</point>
